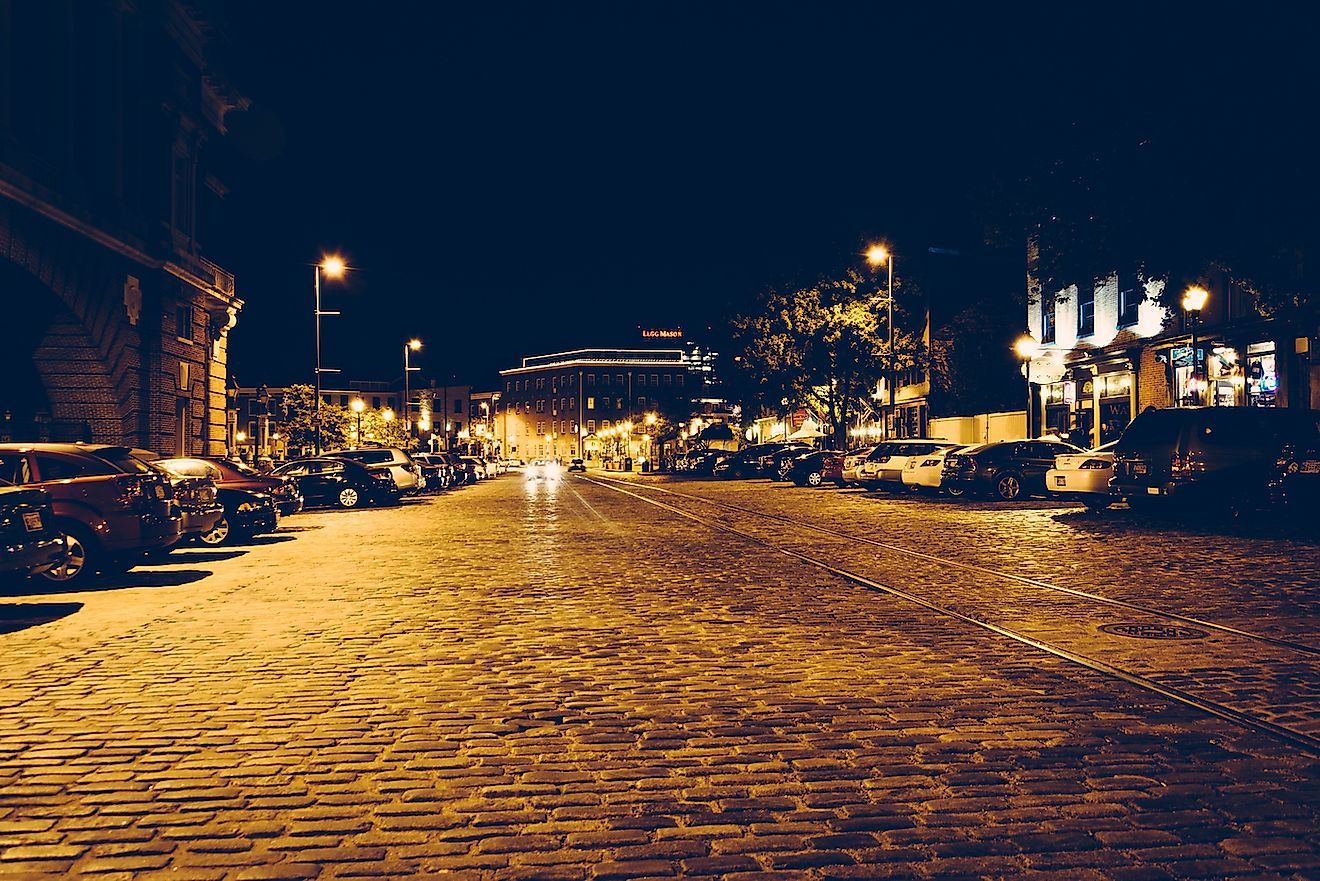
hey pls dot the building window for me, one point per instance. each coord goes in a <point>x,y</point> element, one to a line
<point>668,379</point>
<point>508,386</point>
<point>655,379</point>
<point>1086,309</point>
<point>591,403</point>
<point>678,379</point>
<point>458,426</point>
<point>375,403</point>
<point>604,379</point>
<point>343,400</point>
<point>540,428</point>
<point>1130,297</point>
<point>618,403</point>
<point>572,403</point>
<point>540,405</point>
<point>618,379</point>
<point>641,379</point>
<point>1047,306</point>
<point>183,322</point>
<point>591,379</point>
<point>641,402</point>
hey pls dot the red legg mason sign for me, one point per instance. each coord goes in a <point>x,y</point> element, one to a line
<point>662,333</point>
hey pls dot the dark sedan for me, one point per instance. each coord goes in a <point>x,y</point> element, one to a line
<point>1007,470</point>
<point>229,474</point>
<point>816,468</point>
<point>340,482</point>
<point>29,542</point>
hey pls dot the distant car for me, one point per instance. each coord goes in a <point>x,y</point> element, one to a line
<point>883,469</point>
<point>744,463</point>
<point>29,542</point>
<point>782,460</point>
<point>813,468</point>
<point>1296,483</point>
<point>703,462</point>
<point>436,469</point>
<point>852,464</point>
<point>1084,477</point>
<point>1008,470</point>
<point>341,482</point>
<point>577,465</point>
<point>195,494</point>
<point>399,464</point>
<point>478,466</point>
<point>542,471</point>
<point>111,508</point>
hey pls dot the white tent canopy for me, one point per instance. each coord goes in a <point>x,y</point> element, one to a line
<point>808,431</point>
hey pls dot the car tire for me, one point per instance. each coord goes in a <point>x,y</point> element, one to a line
<point>217,534</point>
<point>84,556</point>
<point>955,491</point>
<point>815,479</point>
<point>1099,504</point>
<point>348,497</point>
<point>1008,487</point>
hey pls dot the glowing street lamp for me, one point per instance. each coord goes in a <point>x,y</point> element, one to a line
<point>333,267</point>
<point>1193,302</point>
<point>878,255</point>
<point>357,405</point>
<point>411,346</point>
<point>1027,349</point>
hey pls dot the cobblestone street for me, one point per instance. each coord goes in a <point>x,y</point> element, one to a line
<point>528,680</point>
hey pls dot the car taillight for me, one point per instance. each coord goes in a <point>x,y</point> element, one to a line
<point>884,458</point>
<point>1094,465</point>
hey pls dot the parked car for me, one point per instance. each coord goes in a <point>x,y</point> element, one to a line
<point>29,542</point>
<point>465,472</point>
<point>1007,470</point>
<point>1084,477</point>
<point>437,473</point>
<point>342,482</point>
<point>478,466</point>
<point>744,463</point>
<point>229,474</point>
<point>767,465</point>
<point>782,460</point>
<point>1222,457</point>
<point>245,512</point>
<point>883,468</point>
<point>399,464</point>
<point>195,494</point>
<point>703,463</point>
<point>1297,479</point>
<point>814,469</point>
<point>110,508</point>
<point>924,473</point>
<point>852,464</point>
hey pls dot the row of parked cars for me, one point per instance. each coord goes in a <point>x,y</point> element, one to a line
<point>68,511</point>
<point>1238,458</point>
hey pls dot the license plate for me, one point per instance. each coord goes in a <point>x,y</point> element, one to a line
<point>1152,490</point>
<point>32,520</point>
<point>1060,480</point>
<point>1311,466</point>
<point>1138,467</point>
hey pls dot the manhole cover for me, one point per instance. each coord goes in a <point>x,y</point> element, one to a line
<point>1152,631</point>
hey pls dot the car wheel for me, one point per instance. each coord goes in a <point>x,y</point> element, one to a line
<point>814,479</point>
<point>1008,487</point>
<point>82,559</point>
<point>1098,504</point>
<point>955,491</point>
<point>217,534</point>
<point>348,497</point>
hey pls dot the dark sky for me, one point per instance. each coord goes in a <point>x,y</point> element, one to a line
<point>512,179</point>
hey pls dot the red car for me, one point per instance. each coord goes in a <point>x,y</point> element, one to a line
<point>110,508</point>
<point>229,474</point>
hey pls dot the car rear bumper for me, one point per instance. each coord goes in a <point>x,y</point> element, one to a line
<point>33,556</point>
<point>195,521</point>
<point>144,532</point>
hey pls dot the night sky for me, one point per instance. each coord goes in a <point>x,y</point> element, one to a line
<point>512,179</point>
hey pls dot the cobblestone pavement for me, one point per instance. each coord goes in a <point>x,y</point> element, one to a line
<point>529,681</point>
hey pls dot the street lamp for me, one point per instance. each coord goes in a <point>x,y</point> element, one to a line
<point>357,405</point>
<point>1027,348</point>
<point>1193,302</point>
<point>411,346</point>
<point>877,255</point>
<point>333,267</point>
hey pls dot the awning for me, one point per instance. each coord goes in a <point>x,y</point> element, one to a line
<point>808,430</point>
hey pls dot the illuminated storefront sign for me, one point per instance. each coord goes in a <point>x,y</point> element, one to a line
<point>662,333</point>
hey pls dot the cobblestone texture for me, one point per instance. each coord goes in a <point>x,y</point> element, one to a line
<point>536,683</point>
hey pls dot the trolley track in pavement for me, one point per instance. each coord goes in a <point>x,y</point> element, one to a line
<point>1249,719</point>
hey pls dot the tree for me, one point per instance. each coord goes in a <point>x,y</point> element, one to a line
<point>821,347</point>
<point>297,420</point>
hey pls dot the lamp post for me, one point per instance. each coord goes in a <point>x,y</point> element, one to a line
<point>1193,302</point>
<point>357,405</point>
<point>411,346</point>
<point>334,268</point>
<point>876,255</point>
<point>1027,348</point>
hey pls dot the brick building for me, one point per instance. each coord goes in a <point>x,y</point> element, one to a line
<point>562,405</point>
<point>112,120</point>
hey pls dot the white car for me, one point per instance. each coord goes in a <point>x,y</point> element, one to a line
<point>922,473</point>
<point>883,469</point>
<point>852,463</point>
<point>1084,476</point>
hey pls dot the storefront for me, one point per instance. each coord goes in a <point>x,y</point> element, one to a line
<point>1262,375</point>
<point>1092,404</point>
<point>1228,376</point>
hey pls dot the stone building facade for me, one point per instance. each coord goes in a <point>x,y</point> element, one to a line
<point>112,154</point>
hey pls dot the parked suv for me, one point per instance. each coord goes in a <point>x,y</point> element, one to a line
<point>110,508</point>
<point>1008,470</point>
<point>1220,456</point>
<point>393,459</point>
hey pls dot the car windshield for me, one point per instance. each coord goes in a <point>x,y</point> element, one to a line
<point>243,467</point>
<point>190,468</point>
<point>123,459</point>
